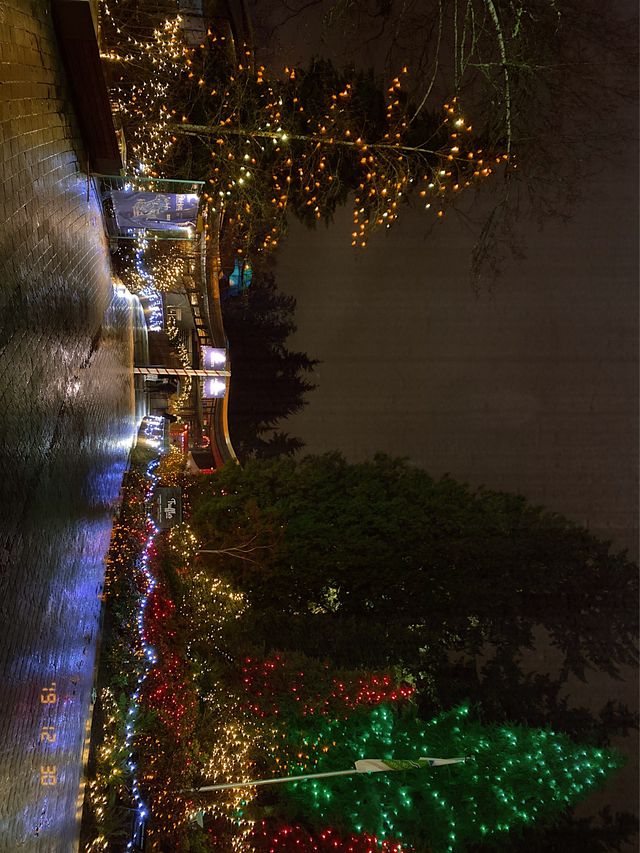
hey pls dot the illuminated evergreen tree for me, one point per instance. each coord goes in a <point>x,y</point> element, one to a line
<point>302,142</point>
<point>270,380</point>
<point>514,777</point>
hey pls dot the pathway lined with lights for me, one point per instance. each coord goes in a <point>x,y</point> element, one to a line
<point>152,432</point>
<point>65,432</point>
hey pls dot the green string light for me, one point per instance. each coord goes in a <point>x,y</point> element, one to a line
<point>515,776</point>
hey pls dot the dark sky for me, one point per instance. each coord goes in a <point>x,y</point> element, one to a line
<point>529,386</point>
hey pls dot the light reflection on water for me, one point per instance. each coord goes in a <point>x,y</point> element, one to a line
<point>66,432</point>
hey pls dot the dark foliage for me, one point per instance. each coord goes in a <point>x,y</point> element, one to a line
<point>269,380</point>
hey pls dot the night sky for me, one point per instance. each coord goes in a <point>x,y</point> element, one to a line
<point>530,385</point>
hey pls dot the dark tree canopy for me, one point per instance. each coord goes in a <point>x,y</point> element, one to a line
<point>270,381</point>
<point>431,562</point>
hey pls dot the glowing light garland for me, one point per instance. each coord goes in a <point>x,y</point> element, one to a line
<point>153,431</point>
<point>271,151</point>
<point>182,352</point>
<point>154,314</point>
<point>165,267</point>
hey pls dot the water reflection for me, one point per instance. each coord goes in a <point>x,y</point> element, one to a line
<point>69,418</point>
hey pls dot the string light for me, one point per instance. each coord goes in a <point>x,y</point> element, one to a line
<point>289,838</point>
<point>270,150</point>
<point>514,776</point>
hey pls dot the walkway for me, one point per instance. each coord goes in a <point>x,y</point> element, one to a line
<point>65,427</point>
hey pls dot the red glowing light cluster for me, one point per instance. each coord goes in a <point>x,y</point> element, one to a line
<point>372,691</point>
<point>158,617</point>
<point>169,692</point>
<point>273,683</point>
<point>168,689</point>
<point>284,839</point>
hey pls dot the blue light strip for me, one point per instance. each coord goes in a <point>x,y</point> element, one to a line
<point>155,315</point>
<point>153,431</point>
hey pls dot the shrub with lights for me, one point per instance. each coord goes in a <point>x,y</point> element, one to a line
<point>166,265</point>
<point>107,817</point>
<point>165,742</point>
<point>148,751</point>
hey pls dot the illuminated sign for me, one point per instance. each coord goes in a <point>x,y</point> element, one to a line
<point>213,357</point>
<point>155,211</point>
<point>168,506</point>
<point>213,387</point>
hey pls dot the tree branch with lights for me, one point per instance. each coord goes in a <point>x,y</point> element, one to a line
<point>301,142</point>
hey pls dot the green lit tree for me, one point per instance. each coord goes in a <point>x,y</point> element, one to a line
<point>514,777</point>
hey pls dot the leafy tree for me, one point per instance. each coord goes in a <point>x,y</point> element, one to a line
<point>454,569</point>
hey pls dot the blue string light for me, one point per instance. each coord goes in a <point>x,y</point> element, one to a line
<point>153,431</point>
<point>154,314</point>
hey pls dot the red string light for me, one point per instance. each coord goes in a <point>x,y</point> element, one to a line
<point>286,838</point>
<point>268,681</point>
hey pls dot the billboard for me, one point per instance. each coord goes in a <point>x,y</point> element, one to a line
<point>213,357</point>
<point>155,211</point>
